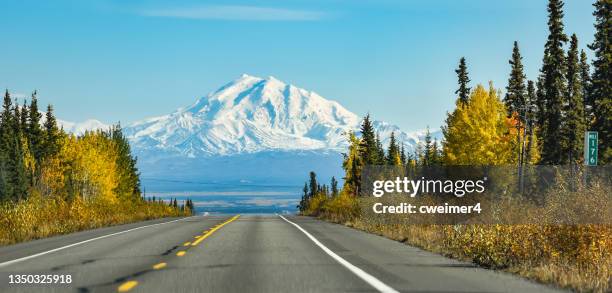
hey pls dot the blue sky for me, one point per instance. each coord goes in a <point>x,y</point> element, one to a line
<point>117,60</point>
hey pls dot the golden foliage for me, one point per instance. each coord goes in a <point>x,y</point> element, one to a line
<point>478,133</point>
<point>571,256</point>
<point>40,217</point>
<point>75,190</point>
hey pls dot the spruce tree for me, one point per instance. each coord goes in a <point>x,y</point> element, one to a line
<point>23,119</point>
<point>128,187</point>
<point>554,84</point>
<point>515,96</point>
<point>52,133</point>
<point>403,154</point>
<point>368,148</point>
<point>380,152</point>
<point>6,120</point>
<point>462,75</point>
<point>17,119</point>
<point>585,78</point>
<point>531,118</point>
<point>334,186</point>
<point>574,125</point>
<point>427,149</point>
<point>540,103</point>
<point>304,202</point>
<point>392,151</point>
<point>6,137</point>
<point>600,93</point>
<point>34,132</point>
<point>312,185</point>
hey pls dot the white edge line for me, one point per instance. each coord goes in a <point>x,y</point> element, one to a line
<point>373,281</point>
<point>10,262</point>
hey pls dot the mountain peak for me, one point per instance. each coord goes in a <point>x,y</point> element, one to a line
<point>249,115</point>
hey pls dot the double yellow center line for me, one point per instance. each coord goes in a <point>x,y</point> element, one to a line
<point>129,285</point>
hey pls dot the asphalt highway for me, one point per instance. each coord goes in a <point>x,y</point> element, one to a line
<point>250,253</point>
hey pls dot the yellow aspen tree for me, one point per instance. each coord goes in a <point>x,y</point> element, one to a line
<point>478,133</point>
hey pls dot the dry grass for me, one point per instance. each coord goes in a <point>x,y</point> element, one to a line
<point>39,217</point>
<point>578,257</point>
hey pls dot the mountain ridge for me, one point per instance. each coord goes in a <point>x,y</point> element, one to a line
<point>253,114</point>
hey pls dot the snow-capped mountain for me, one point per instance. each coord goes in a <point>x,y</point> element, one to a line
<point>251,115</point>
<point>79,128</point>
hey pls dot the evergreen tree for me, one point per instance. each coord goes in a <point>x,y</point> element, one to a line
<point>19,179</point>
<point>334,186</point>
<point>435,153</point>
<point>23,119</point>
<point>17,119</point>
<point>392,151</point>
<point>574,126</point>
<point>531,117</point>
<point>515,96</point>
<point>554,84</point>
<point>428,148</point>
<point>368,147</point>
<point>601,80</point>
<point>313,186</point>
<point>403,154</point>
<point>462,75</point>
<point>35,133</point>
<point>128,186</point>
<point>304,201</point>
<point>585,78</point>
<point>52,133</point>
<point>352,164</point>
<point>6,120</point>
<point>380,152</point>
<point>540,102</point>
<point>6,138</point>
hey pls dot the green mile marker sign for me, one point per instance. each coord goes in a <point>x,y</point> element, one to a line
<point>590,148</point>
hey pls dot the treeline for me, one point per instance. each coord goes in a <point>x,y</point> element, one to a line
<point>84,181</point>
<point>185,206</point>
<point>38,157</point>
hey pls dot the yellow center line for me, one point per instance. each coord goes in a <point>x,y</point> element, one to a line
<point>159,266</point>
<point>127,286</point>
<point>211,231</point>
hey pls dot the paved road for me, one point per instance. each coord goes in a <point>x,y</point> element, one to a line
<point>245,254</point>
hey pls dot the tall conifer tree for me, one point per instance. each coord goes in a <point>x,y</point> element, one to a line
<point>553,71</point>
<point>369,146</point>
<point>515,96</point>
<point>463,79</point>
<point>392,151</point>
<point>531,119</point>
<point>52,133</point>
<point>585,78</point>
<point>600,93</point>
<point>574,125</point>
<point>34,132</point>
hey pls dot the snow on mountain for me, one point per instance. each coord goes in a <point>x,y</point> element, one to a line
<point>79,128</point>
<point>250,115</point>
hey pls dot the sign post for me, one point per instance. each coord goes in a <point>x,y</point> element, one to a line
<point>590,148</point>
<point>590,152</point>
